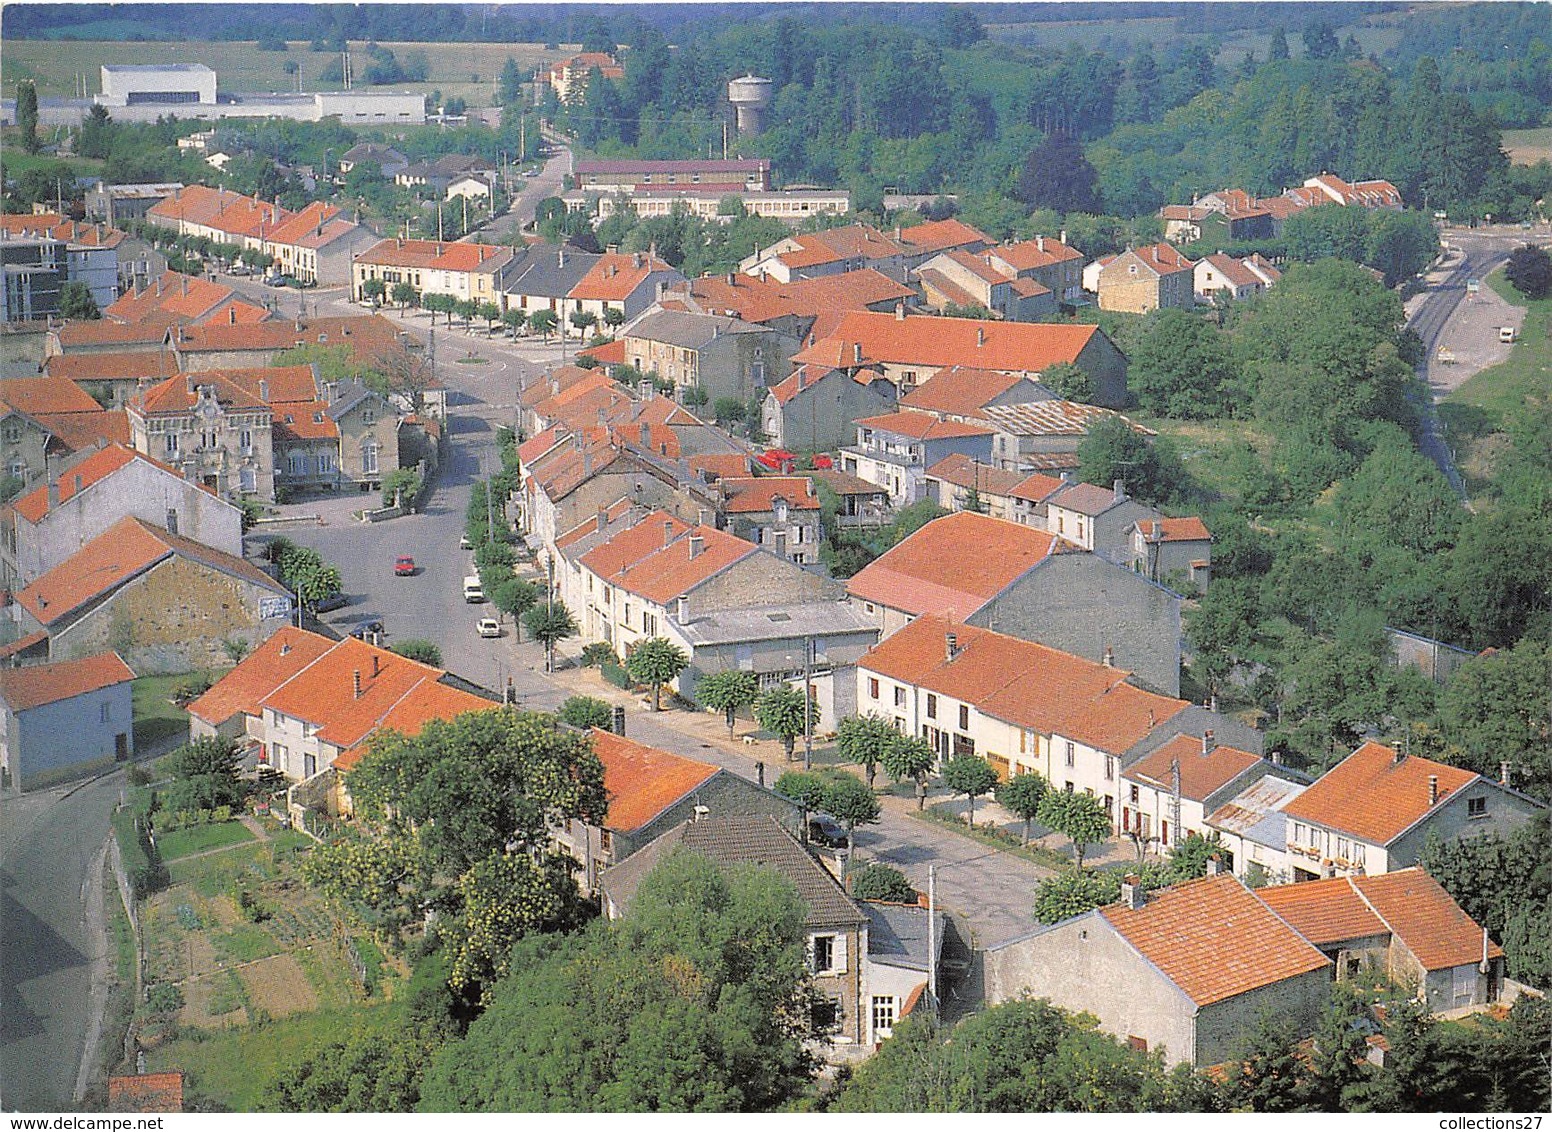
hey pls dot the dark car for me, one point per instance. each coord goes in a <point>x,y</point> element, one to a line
<point>825,830</point>
<point>373,628</point>
<point>331,603</point>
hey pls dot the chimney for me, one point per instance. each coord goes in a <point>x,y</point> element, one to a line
<point>1396,756</point>
<point>636,260</point>
<point>856,352</point>
<point>53,493</point>
<point>1209,741</point>
<point>617,720</point>
<point>697,545</point>
<point>264,390</point>
<point>668,531</point>
<point>560,258</point>
<point>1131,891</point>
<point>80,483</point>
<point>732,279</point>
<point>603,519</point>
<point>188,384</point>
<point>587,462</point>
<point>1040,242</point>
<point>950,647</point>
<point>1214,865</point>
<point>377,666</point>
<point>980,335</point>
<point>355,680</point>
<point>231,316</point>
<point>1433,789</point>
<point>1503,773</point>
<point>646,435</point>
<point>900,312</point>
<point>1158,530</point>
<point>1276,757</point>
<point>682,612</point>
<point>1120,491</point>
<point>897,233</point>
<point>1109,658</point>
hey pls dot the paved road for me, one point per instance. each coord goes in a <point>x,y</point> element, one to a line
<point>46,945</point>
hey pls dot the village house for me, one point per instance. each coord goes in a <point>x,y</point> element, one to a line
<point>624,282</point>
<point>962,483</point>
<point>1050,263</point>
<point>1097,518</point>
<point>432,267</point>
<point>1140,280</point>
<point>388,160</point>
<point>779,513</point>
<point>42,528</point>
<point>1173,551</point>
<point>810,255</point>
<point>909,350</point>
<point>1403,924</point>
<point>837,928</point>
<point>230,706</point>
<point>317,244</point>
<point>64,721</point>
<point>902,955</point>
<point>542,277</point>
<point>110,379</point>
<point>858,502</point>
<point>212,428</point>
<point>1252,829</point>
<point>650,792</point>
<point>725,357</point>
<point>1187,971</point>
<point>1168,794</point>
<point>796,307</point>
<point>568,78</point>
<point>37,423</point>
<point>105,337</point>
<point>174,299</point>
<point>438,175</point>
<point>1233,278</point>
<point>1374,811</point>
<point>815,409</point>
<point>164,603</point>
<point>896,449</point>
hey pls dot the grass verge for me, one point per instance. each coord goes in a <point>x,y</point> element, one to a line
<point>1503,389</point>
<point>994,838</point>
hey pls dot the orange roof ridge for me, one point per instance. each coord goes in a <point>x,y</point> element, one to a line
<point>641,781</point>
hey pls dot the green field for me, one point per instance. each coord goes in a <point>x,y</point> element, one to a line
<point>198,838</point>
<point>465,70</point>
<point>1501,389</point>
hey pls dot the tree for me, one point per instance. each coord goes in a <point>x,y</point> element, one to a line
<point>614,317</point>
<point>1081,818</point>
<point>509,88</point>
<point>880,882</point>
<point>549,624</point>
<point>1279,46</point>
<point>1058,176</point>
<point>1180,367</point>
<point>96,136</point>
<point>851,802</point>
<point>205,774</point>
<point>583,320</point>
<point>542,322</point>
<point>656,661</point>
<point>806,789</point>
<point>1530,270</point>
<point>586,712</point>
<point>911,758</point>
<point>304,572</point>
<point>374,289</point>
<point>863,739</point>
<point>414,648</point>
<point>729,692</point>
<point>514,320</point>
<point>27,114</point>
<point>728,410</point>
<point>699,1000</point>
<point>515,597</point>
<point>1021,795</point>
<point>1072,892</point>
<point>404,294</point>
<point>971,776</point>
<point>1189,857</point>
<point>1267,1074</point>
<point>787,713</point>
<point>75,301</point>
<point>491,313</point>
<point>1112,451</point>
<point>1493,710</point>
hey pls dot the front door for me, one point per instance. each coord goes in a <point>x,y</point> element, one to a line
<point>120,747</point>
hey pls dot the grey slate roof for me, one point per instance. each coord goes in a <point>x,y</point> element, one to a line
<point>733,841</point>
<point>897,935</point>
<point>349,395</point>
<point>811,618</point>
<point>546,270</point>
<point>689,331</point>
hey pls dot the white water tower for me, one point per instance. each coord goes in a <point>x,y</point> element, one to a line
<point>749,96</point>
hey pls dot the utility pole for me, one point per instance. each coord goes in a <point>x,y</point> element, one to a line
<point>932,938</point>
<point>808,722</point>
<point>549,601</point>
<point>490,522</point>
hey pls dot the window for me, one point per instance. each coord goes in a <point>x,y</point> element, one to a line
<point>298,462</point>
<point>964,717</point>
<point>932,706</point>
<point>13,432</point>
<point>899,696</point>
<point>824,954</point>
<point>325,463</point>
<point>649,624</point>
<point>172,520</point>
<point>245,438</point>
<point>368,415</point>
<point>1109,769</point>
<point>369,459</point>
<point>1476,807</point>
<point>18,468</point>
<point>1133,796</point>
<point>107,712</point>
<point>1072,754</point>
<point>872,688</point>
<point>248,480</point>
<point>626,620</point>
<point>309,765</point>
<point>209,439</point>
<point>883,1015</point>
<point>280,756</point>
<point>172,444</point>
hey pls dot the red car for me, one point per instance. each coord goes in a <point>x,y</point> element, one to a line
<point>404,565</point>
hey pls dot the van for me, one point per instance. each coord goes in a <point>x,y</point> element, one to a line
<point>1507,334</point>
<point>472,590</point>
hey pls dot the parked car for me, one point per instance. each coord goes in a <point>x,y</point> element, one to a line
<point>825,830</point>
<point>403,566</point>
<point>275,281</point>
<point>331,603</point>
<point>489,627</point>
<point>464,543</point>
<point>472,590</point>
<point>372,628</point>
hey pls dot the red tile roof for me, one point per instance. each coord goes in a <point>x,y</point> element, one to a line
<point>425,702</point>
<point>753,494</point>
<point>129,547</point>
<point>609,354</point>
<point>367,335</point>
<point>1323,911</point>
<point>1162,259</point>
<point>80,335</point>
<point>80,431</point>
<point>641,782</point>
<point>107,366</point>
<point>1428,922</point>
<point>1188,529</point>
<point>1233,271</point>
<point>262,671</point>
<point>22,644</point>
<point>25,688</point>
<point>146,1092</point>
<point>631,545</point>
<point>1183,932</point>
<point>324,692</point>
<point>1023,683</point>
<point>590,525</point>
<point>967,472</point>
<point>1375,797</point>
<point>1036,253</point>
<point>937,343</point>
<point>806,377</point>
<point>718,465</point>
<point>616,276</point>
<point>182,296</point>
<point>1036,488</point>
<point>760,300</point>
<point>922,426</point>
<point>953,565</point>
<point>35,395</point>
<point>938,286</point>
<point>679,567</point>
<point>959,390</point>
<point>1200,774</point>
<point>936,235</point>
<point>435,255</point>
<point>304,420</point>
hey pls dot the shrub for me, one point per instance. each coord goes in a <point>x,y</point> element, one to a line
<point>880,882</point>
<point>585,712</point>
<point>598,653</point>
<point>164,998</point>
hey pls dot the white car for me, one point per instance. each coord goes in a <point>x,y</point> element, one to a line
<point>489,627</point>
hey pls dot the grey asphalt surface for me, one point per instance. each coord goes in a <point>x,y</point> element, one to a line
<point>46,943</point>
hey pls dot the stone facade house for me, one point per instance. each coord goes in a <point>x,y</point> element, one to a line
<point>1146,279</point>
<point>726,357</point>
<point>1171,551</point>
<point>1186,970</point>
<point>64,721</point>
<point>165,603</point>
<point>779,513</point>
<point>837,928</point>
<point>1167,795</point>
<point>1051,263</point>
<point>214,427</point>
<point>1097,518</point>
<point>816,408</point>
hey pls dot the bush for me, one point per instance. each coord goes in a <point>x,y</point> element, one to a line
<point>615,674</point>
<point>142,864</point>
<point>880,882</point>
<point>586,712</point>
<point>598,653</point>
<point>164,998</point>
